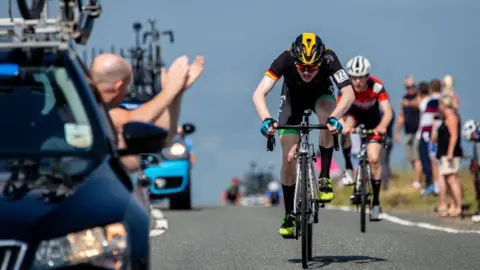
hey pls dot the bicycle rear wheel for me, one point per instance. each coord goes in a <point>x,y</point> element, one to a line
<point>31,11</point>
<point>304,221</point>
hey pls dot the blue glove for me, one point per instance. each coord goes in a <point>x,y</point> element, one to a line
<point>334,122</point>
<point>267,123</point>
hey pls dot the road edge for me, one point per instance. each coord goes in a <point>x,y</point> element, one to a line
<point>408,223</point>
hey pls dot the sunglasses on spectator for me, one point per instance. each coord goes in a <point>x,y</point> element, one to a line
<point>410,87</point>
<point>307,68</point>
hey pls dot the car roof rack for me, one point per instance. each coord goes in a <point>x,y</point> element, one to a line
<point>37,33</point>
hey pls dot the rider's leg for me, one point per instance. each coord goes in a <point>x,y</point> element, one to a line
<point>373,152</point>
<point>347,149</point>
<point>288,141</point>
<point>323,108</point>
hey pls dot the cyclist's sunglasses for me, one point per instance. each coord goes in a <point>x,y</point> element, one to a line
<point>307,68</point>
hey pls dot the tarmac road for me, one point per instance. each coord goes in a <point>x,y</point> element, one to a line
<point>247,238</point>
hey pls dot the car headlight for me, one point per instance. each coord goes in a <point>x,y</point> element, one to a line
<point>177,150</point>
<point>101,246</point>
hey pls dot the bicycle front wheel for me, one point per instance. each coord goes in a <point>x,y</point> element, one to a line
<point>309,242</point>
<point>362,177</point>
<point>306,248</point>
<point>31,10</point>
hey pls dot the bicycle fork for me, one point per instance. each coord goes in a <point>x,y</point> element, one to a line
<point>312,189</point>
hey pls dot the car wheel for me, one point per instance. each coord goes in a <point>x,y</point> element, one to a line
<point>183,200</point>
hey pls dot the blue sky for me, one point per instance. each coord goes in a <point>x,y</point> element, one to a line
<point>239,40</point>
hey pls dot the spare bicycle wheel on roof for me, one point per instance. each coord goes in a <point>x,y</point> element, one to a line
<point>31,9</point>
<point>88,14</point>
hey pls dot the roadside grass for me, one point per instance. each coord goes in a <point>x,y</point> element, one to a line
<point>401,195</point>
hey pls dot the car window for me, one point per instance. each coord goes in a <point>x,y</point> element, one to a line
<point>42,111</point>
<point>106,120</point>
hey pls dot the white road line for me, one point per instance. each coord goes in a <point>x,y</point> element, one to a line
<point>157,213</point>
<point>156,232</point>
<point>404,222</point>
<point>161,223</point>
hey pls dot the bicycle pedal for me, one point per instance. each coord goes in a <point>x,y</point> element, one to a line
<point>289,237</point>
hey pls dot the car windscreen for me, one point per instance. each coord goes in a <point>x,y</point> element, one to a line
<point>42,112</point>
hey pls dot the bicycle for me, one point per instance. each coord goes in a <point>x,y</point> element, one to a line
<point>307,197</point>
<point>363,178</point>
<point>475,170</point>
<point>146,73</point>
<point>76,19</point>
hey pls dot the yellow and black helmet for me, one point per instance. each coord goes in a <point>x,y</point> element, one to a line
<point>308,49</point>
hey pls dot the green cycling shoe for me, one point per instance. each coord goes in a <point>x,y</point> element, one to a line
<point>287,230</point>
<point>326,189</point>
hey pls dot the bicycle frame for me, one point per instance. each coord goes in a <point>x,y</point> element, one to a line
<point>475,171</point>
<point>306,190</point>
<point>363,162</point>
<point>303,149</point>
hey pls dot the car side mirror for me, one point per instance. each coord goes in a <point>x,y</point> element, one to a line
<point>188,128</point>
<point>142,138</point>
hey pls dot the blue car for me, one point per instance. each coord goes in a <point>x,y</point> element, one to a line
<point>170,172</point>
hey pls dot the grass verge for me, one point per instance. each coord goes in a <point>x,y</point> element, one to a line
<point>401,195</point>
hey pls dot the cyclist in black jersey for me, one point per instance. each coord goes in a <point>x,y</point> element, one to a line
<point>306,69</point>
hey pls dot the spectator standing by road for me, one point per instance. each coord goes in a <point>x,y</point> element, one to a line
<point>385,155</point>
<point>449,153</point>
<point>408,119</point>
<point>449,88</point>
<point>423,133</point>
<point>188,144</point>
<point>429,115</point>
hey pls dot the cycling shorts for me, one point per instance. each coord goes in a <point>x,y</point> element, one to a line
<point>292,105</point>
<point>370,118</point>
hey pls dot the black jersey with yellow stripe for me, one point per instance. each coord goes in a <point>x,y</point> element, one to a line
<point>330,66</point>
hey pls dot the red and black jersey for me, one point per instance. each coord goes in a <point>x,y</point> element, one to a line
<point>370,98</point>
<point>330,66</point>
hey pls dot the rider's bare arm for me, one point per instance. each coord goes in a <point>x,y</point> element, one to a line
<point>259,96</point>
<point>348,96</point>
<point>273,74</point>
<point>343,83</point>
<point>387,114</point>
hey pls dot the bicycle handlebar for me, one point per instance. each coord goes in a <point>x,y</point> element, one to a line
<point>364,132</point>
<point>361,131</point>
<point>301,128</point>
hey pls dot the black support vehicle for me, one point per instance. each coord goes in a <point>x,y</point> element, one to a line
<point>66,201</point>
